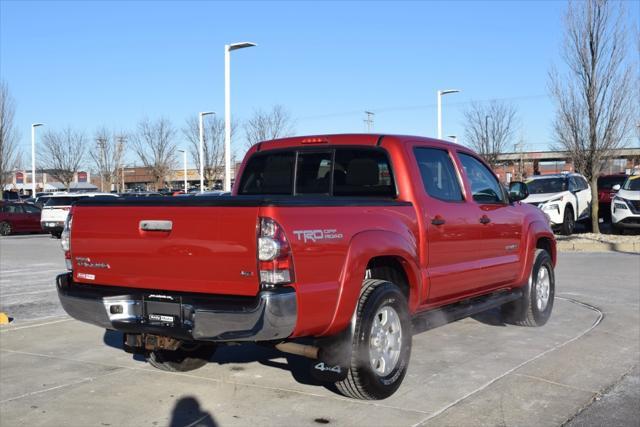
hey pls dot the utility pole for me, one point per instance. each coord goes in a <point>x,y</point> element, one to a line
<point>369,120</point>
<point>120,153</point>
<point>101,145</point>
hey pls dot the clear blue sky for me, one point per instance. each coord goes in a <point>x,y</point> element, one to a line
<point>87,64</point>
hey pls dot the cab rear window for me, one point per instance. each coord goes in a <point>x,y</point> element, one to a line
<point>352,172</point>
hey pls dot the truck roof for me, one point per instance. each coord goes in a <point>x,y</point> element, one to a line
<point>366,139</point>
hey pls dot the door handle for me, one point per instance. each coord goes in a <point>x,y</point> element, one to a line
<point>438,220</point>
<point>155,225</point>
<point>485,219</point>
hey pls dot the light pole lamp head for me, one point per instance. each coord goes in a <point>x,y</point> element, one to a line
<point>241,45</point>
<point>206,113</point>
<point>448,91</point>
<point>35,125</point>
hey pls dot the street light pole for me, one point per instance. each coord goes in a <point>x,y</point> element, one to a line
<point>440,93</point>
<point>33,157</point>
<point>184,157</point>
<point>227,109</point>
<point>201,149</point>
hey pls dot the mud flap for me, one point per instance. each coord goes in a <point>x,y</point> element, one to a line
<point>334,357</point>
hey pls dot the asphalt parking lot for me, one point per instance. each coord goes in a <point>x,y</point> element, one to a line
<point>581,368</point>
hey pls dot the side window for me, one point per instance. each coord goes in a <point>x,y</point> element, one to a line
<point>362,173</point>
<point>269,174</point>
<point>484,184</point>
<point>438,174</point>
<point>573,185</point>
<point>583,183</point>
<point>314,173</point>
<point>31,209</point>
<point>13,209</point>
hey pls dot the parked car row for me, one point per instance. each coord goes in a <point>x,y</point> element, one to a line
<point>47,212</point>
<point>625,205</point>
<point>566,200</point>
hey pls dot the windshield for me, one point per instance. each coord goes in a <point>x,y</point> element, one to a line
<point>632,183</point>
<point>61,201</point>
<point>547,185</point>
<point>607,182</point>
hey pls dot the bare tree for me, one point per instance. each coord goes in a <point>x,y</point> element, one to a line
<point>8,135</point>
<point>108,156</point>
<point>154,144</point>
<point>490,128</point>
<point>267,125</point>
<point>595,97</point>
<point>213,147</point>
<point>63,152</point>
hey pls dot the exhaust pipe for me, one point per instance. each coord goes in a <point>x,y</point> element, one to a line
<point>308,351</point>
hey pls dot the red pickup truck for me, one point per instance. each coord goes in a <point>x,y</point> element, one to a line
<point>334,247</point>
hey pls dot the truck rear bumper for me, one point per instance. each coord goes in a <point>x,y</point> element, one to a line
<point>271,315</point>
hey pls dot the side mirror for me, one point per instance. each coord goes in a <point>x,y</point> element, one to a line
<point>616,187</point>
<point>518,191</point>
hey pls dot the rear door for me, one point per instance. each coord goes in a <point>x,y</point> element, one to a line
<point>17,217</point>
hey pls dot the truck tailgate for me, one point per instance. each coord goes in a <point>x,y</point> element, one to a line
<point>208,249</point>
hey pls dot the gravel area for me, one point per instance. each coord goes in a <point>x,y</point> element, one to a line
<point>605,238</point>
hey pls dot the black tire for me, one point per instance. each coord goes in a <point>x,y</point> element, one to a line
<point>5,228</point>
<point>617,230</point>
<point>526,311</point>
<point>188,357</point>
<point>568,221</point>
<point>362,381</point>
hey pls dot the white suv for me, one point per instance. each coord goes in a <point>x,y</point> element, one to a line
<point>55,211</point>
<point>564,198</point>
<point>625,205</point>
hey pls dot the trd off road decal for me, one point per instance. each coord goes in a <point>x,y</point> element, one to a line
<point>317,235</point>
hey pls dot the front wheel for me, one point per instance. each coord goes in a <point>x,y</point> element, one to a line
<point>381,345</point>
<point>535,305</point>
<point>189,356</point>
<point>568,222</point>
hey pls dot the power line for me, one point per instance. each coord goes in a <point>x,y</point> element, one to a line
<point>418,107</point>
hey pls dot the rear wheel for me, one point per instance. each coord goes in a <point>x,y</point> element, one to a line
<point>535,305</point>
<point>5,228</point>
<point>568,222</point>
<point>189,356</point>
<point>381,343</point>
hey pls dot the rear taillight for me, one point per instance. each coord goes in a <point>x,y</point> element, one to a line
<point>274,255</point>
<point>65,240</point>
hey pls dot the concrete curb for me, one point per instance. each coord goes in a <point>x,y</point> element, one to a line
<point>580,245</point>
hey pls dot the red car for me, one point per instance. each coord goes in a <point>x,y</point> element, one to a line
<point>606,192</point>
<point>16,217</point>
<point>332,247</point>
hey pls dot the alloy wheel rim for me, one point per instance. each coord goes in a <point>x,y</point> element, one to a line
<point>543,288</point>
<point>385,341</point>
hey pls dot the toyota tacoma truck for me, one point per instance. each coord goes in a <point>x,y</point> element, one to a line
<point>338,248</point>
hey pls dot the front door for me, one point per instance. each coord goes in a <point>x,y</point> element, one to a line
<point>453,234</point>
<point>501,222</point>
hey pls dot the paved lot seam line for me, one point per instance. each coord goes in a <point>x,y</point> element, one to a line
<point>479,389</point>
<point>81,381</point>
<point>533,377</point>
<point>34,326</point>
<point>223,381</point>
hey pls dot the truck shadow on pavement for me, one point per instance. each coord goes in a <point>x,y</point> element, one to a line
<point>298,366</point>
